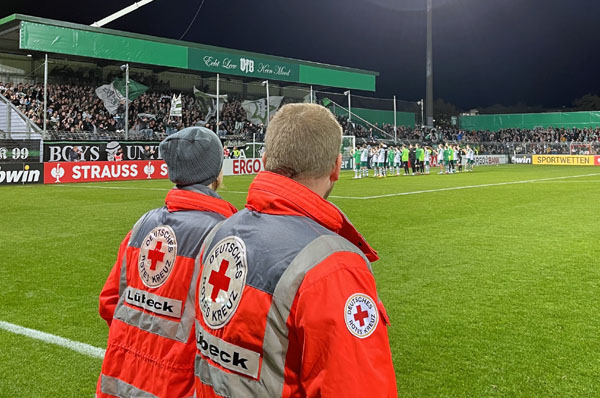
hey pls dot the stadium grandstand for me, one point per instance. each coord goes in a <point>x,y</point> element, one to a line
<point>158,70</point>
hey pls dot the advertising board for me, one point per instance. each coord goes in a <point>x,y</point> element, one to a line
<point>67,172</point>
<point>21,173</point>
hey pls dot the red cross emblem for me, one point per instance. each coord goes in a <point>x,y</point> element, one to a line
<point>219,280</point>
<point>155,256</point>
<point>360,315</point>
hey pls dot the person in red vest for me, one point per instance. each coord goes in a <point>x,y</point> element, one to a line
<point>119,155</point>
<point>148,299</point>
<point>286,299</point>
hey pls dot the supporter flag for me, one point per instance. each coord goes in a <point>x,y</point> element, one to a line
<point>135,89</point>
<point>208,102</point>
<point>256,111</point>
<point>176,106</point>
<point>113,94</point>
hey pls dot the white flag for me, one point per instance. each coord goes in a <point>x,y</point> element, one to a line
<point>256,111</point>
<point>111,97</point>
<point>198,93</point>
<point>176,106</point>
<point>212,110</point>
<point>208,102</point>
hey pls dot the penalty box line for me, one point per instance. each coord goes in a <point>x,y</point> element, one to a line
<point>462,187</point>
<point>77,346</point>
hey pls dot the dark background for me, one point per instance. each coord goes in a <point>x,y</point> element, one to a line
<point>532,52</point>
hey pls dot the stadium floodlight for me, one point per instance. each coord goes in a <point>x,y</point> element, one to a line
<point>395,121</point>
<point>429,67</point>
<point>347,93</point>
<point>120,13</point>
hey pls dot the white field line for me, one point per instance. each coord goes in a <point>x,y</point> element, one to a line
<point>356,197</point>
<point>565,182</point>
<point>81,348</point>
<point>462,187</point>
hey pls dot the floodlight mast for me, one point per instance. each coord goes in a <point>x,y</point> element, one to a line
<point>347,93</point>
<point>120,13</point>
<point>429,70</point>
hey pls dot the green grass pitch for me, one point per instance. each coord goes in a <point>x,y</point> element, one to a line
<point>492,290</point>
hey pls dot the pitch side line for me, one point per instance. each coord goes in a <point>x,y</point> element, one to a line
<point>570,182</point>
<point>81,348</point>
<point>352,197</point>
<point>461,187</point>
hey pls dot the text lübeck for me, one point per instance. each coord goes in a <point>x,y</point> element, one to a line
<point>153,303</point>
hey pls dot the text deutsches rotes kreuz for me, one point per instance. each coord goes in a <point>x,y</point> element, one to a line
<point>222,281</point>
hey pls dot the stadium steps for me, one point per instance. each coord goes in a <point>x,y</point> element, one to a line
<point>14,121</point>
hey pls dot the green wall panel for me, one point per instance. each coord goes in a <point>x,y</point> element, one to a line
<point>336,78</point>
<point>530,120</point>
<point>63,40</point>
<point>71,39</point>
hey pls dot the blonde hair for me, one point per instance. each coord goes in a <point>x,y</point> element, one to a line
<point>302,140</point>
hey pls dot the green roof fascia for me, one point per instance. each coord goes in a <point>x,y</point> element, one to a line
<point>65,40</point>
<point>336,78</point>
<point>8,19</point>
<point>191,46</point>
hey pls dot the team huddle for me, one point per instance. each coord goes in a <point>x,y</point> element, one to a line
<point>413,159</point>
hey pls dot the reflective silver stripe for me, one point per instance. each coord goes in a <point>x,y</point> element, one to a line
<point>153,303</point>
<point>227,384</point>
<point>123,275</point>
<point>275,341</point>
<point>179,331</point>
<point>118,388</point>
<point>229,356</point>
<point>208,240</point>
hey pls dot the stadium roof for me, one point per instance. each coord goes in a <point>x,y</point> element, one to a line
<point>25,33</point>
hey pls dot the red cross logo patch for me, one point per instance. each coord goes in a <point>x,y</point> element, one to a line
<point>222,282</point>
<point>157,256</point>
<point>361,315</point>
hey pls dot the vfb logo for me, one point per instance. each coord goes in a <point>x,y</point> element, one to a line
<point>246,65</point>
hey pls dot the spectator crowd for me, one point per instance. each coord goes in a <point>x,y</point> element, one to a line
<point>537,140</point>
<point>75,111</point>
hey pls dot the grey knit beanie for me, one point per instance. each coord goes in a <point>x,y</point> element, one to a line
<point>193,155</point>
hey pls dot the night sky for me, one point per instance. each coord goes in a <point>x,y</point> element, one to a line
<point>540,52</point>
